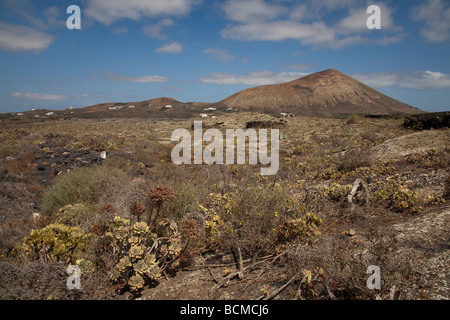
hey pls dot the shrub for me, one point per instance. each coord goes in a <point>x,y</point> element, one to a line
<point>82,186</point>
<point>73,215</point>
<point>36,281</point>
<point>141,254</point>
<point>255,219</point>
<point>397,195</point>
<point>57,243</point>
<point>353,159</point>
<point>446,195</point>
<point>188,195</point>
<point>337,192</point>
<point>353,118</point>
<point>303,228</point>
<point>158,196</point>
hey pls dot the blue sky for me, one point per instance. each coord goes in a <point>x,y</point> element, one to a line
<point>200,50</point>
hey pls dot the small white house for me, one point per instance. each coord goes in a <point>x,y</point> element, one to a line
<point>287,114</point>
<point>130,107</point>
<point>116,108</point>
<point>203,115</point>
<point>50,113</point>
<point>168,107</point>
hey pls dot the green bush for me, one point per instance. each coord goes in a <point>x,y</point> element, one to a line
<point>352,119</point>
<point>57,243</point>
<point>397,195</point>
<point>303,228</point>
<point>83,186</point>
<point>337,192</point>
<point>247,218</point>
<point>187,200</point>
<point>141,254</point>
<point>74,215</point>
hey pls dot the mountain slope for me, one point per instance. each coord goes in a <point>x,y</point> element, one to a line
<point>326,93</point>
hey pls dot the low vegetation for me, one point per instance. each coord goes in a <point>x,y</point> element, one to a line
<point>136,224</point>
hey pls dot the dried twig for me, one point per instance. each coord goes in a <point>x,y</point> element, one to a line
<point>236,273</point>
<point>212,275</point>
<point>224,265</point>
<point>392,292</point>
<point>241,265</point>
<point>275,293</point>
<point>299,290</point>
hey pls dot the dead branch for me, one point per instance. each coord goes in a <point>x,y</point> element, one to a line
<point>236,273</point>
<point>359,183</point>
<point>275,293</point>
<point>392,292</point>
<point>241,264</point>
<point>212,275</point>
<point>224,265</point>
<point>299,290</point>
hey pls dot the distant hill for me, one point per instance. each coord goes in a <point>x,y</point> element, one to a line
<point>329,93</point>
<point>163,107</point>
<point>326,93</point>
<point>148,105</point>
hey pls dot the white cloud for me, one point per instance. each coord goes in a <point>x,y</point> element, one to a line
<point>426,80</point>
<point>26,11</point>
<point>436,16</point>
<point>39,96</point>
<point>41,19</point>
<point>300,66</point>
<point>252,10</point>
<point>109,11</point>
<point>257,20</point>
<point>219,54</point>
<point>357,18</point>
<point>378,80</point>
<point>317,32</point>
<point>156,30</point>
<point>120,30</point>
<point>423,80</point>
<point>140,79</point>
<point>253,78</point>
<point>171,48</point>
<point>21,38</point>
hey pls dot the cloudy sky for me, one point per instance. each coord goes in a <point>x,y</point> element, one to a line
<point>203,50</point>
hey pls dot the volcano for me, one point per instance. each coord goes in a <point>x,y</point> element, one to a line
<point>327,93</point>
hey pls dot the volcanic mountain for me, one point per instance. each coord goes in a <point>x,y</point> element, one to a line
<point>326,93</point>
